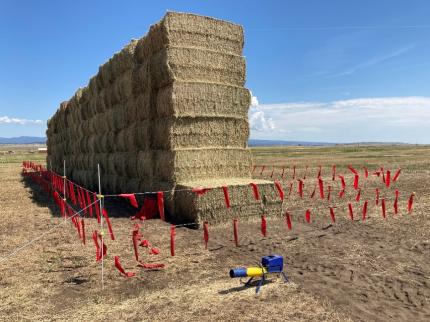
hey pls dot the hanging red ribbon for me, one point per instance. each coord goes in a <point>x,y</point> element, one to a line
<point>280,191</point>
<point>154,251</point>
<point>84,202</point>
<point>321,186</point>
<point>396,203</point>
<point>288,220</point>
<point>172,240</point>
<point>160,202</point>
<point>333,172</point>
<point>136,236</point>
<point>97,207</point>
<point>89,203</point>
<point>356,178</point>
<point>365,210</point>
<point>352,170</point>
<point>411,202</point>
<point>300,188</point>
<point>263,226</point>
<point>319,172</point>
<point>341,193</point>
<point>387,179</point>
<point>206,234</point>
<point>121,269</point>
<point>357,197</point>
<point>342,180</point>
<point>333,219</point>
<point>377,196</point>
<point>105,214</point>
<point>96,244</point>
<point>255,190</point>
<point>131,198</point>
<point>226,196</point>
<point>351,212</point>
<point>200,191</point>
<point>397,174</point>
<point>100,250</point>
<point>235,233</point>
<point>308,216</point>
<point>383,208</point>
<point>72,193</point>
<point>366,172</point>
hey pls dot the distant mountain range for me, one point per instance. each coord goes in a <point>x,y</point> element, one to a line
<point>23,140</point>
<point>255,142</point>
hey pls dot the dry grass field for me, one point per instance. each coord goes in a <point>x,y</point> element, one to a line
<point>377,270</point>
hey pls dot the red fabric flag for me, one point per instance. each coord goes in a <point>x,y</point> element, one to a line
<point>321,186</point>
<point>89,203</point>
<point>262,169</point>
<point>288,220</point>
<point>280,191</point>
<point>319,172</point>
<point>226,196</point>
<point>84,202</point>
<point>100,250</point>
<point>131,198</point>
<point>397,174</point>
<point>333,219</point>
<point>308,216</point>
<point>206,234</point>
<point>145,243</point>
<point>283,171</point>
<point>365,210</point>
<point>121,269</point>
<point>352,170</point>
<point>105,214</point>
<point>300,188</point>
<point>263,226</point>
<point>83,231</point>
<point>377,196</point>
<point>235,233</point>
<point>357,197</point>
<point>387,179</point>
<point>255,190</point>
<point>396,203</point>
<point>72,193</point>
<point>351,212</point>
<point>329,193</point>
<point>291,189</point>
<point>313,192</point>
<point>294,172</point>
<point>200,191</point>
<point>411,202</point>
<point>342,180</point>
<point>151,265</point>
<point>333,172</point>
<point>383,175</point>
<point>96,243</point>
<point>160,202</point>
<point>97,207</point>
<point>341,193</point>
<point>366,172</point>
<point>356,178</point>
<point>136,236</point>
<point>154,251</point>
<point>172,240</point>
<point>383,207</point>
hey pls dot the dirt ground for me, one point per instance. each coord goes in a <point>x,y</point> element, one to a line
<point>377,270</point>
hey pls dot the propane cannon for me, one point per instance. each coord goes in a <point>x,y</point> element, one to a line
<point>272,264</point>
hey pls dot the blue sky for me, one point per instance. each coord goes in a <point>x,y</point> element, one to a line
<point>337,71</point>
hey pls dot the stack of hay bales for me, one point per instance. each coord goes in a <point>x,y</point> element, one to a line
<point>168,112</point>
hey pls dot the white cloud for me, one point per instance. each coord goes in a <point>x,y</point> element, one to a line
<point>405,119</point>
<point>257,119</point>
<point>12,120</point>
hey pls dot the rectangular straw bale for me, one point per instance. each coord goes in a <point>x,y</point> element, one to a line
<point>202,99</point>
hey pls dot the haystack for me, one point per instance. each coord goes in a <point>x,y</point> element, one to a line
<point>167,112</point>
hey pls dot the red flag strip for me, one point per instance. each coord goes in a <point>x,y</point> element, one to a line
<point>154,251</point>
<point>83,230</point>
<point>97,207</point>
<point>263,226</point>
<point>84,202</point>
<point>206,234</point>
<point>321,186</point>
<point>89,203</point>
<point>105,214</point>
<point>288,220</point>
<point>72,193</point>
<point>333,172</point>
<point>131,198</point>
<point>313,192</point>
<point>377,196</point>
<point>200,191</point>
<point>351,212</point>
<point>235,233</point>
<point>365,210</point>
<point>397,174</point>
<point>333,219</point>
<point>387,179</point>
<point>308,216</point>
<point>341,193</point>
<point>383,207</point>
<point>411,202</point>
<point>366,172</point>
<point>352,170</point>
<point>396,203</point>
<point>226,196</point>
<point>96,243</point>
<point>151,265</point>
<point>300,188</point>
<point>78,226</point>
<point>255,190</point>
<point>136,236</point>
<point>342,180</point>
<point>319,172</point>
<point>100,250</point>
<point>172,240</point>
<point>356,178</point>
<point>383,175</point>
<point>160,202</point>
<point>121,269</point>
<point>357,197</point>
<point>280,191</point>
